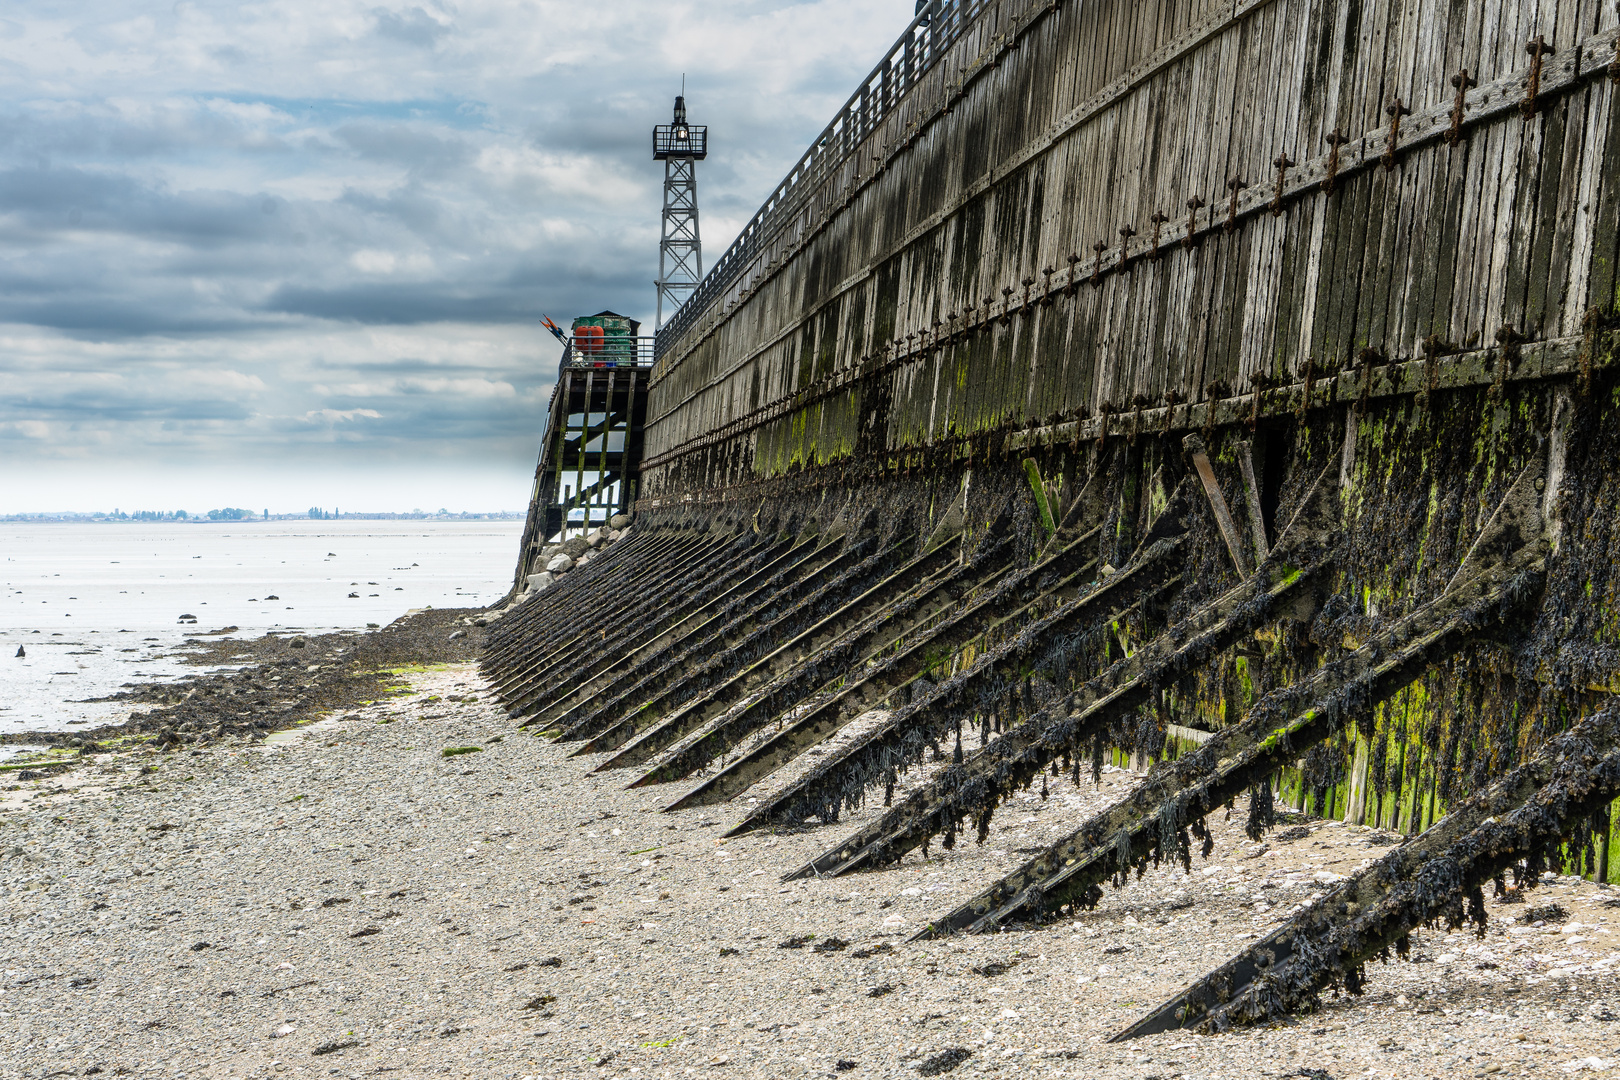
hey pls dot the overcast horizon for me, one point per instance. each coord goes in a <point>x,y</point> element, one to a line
<point>287,255</point>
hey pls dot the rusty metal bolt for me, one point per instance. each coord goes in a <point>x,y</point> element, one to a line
<point>1194,204</point>
<point>1395,110</point>
<point>1046,289</point>
<point>1096,268</point>
<point>1074,260</point>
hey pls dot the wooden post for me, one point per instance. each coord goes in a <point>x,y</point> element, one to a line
<point>1355,810</point>
<point>1223,516</point>
<point>1257,521</point>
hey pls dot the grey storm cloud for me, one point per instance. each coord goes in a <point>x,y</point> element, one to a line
<point>294,224</point>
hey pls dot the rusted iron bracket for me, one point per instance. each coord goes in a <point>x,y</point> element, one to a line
<point>1395,111</point>
<point>1194,204</point>
<point>1307,384</point>
<point>1283,163</point>
<point>1158,219</point>
<point>1335,140</point>
<point>1235,185</point>
<point>1462,81</point>
<point>1537,48</point>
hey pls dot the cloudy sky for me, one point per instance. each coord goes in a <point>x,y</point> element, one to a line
<point>293,252</point>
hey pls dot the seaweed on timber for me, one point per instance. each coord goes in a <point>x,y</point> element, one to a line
<point>811,674</point>
<point>786,615</point>
<point>719,654</point>
<point>1241,757</point>
<point>1049,645</point>
<point>620,626</point>
<point>1064,728</point>
<point>998,606</point>
<point>852,606</point>
<point>1151,824</point>
<point>598,590</point>
<point>1517,825</point>
<point>843,781</point>
<point>591,669</point>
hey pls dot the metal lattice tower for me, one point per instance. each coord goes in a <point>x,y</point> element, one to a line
<point>680,146</point>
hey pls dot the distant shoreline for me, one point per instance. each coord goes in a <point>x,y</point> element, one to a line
<point>203,519</point>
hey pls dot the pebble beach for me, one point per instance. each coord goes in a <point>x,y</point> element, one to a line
<point>410,885</point>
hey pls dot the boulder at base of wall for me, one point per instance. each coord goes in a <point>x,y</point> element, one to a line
<point>575,547</point>
<point>582,560</point>
<point>619,521</point>
<point>540,581</point>
<point>559,564</point>
<point>596,538</point>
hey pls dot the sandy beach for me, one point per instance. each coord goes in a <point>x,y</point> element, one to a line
<point>343,898</point>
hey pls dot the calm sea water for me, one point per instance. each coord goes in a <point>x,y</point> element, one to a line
<point>97,605</point>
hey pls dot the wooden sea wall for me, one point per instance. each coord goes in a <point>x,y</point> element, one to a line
<point>1085,216</point>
